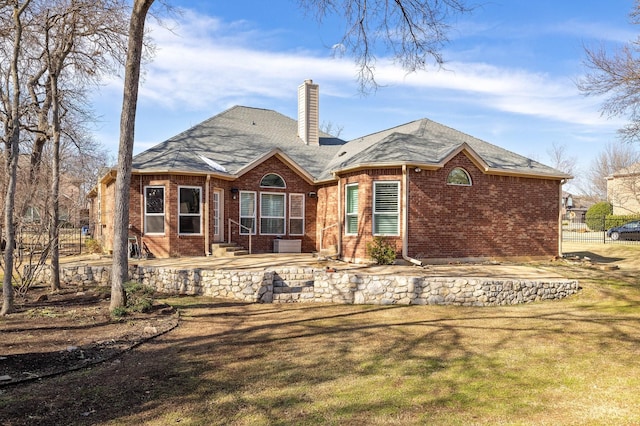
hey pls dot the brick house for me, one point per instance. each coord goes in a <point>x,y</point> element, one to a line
<point>431,191</point>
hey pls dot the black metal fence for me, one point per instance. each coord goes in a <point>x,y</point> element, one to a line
<point>33,240</point>
<point>601,230</point>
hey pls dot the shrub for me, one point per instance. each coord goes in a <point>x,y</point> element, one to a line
<point>595,216</point>
<point>381,251</point>
<point>92,246</point>
<point>119,312</point>
<point>617,220</point>
<point>139,296</point>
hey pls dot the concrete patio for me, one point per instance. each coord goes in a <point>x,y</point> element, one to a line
<point>257,262</point>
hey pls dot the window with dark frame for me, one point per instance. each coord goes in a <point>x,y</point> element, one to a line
<point>154,210</point>
<point>189,210</point>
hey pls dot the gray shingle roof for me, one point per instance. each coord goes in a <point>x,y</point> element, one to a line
<point>425,142</point>
<point>231,140</point>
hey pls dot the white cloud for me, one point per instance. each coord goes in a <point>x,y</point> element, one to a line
<point>204,61</point>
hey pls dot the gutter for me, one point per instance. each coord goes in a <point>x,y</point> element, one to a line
<point>562,182</point>
<point>405,218</point>
<point>206,207</point>
<point>339,221</point>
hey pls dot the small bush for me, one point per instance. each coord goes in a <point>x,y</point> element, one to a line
<point>381,251</point>
<point>119,312</point>
<point>92,246</point>
<point>139,297</point>
<point>595,216</point>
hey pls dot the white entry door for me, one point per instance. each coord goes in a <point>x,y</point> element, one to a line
<point>218,220</point>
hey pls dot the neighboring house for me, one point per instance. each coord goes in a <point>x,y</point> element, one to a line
<point>429,190</point>
<point>575,207</point>
<point>623,190</point>
<point>33,199</point>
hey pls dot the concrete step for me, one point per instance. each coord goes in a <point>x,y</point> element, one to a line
<point>227,250</point>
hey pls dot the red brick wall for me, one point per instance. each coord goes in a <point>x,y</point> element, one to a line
<point>354,246</point>
<point>498,216</point>
<point>250,181</point>
<point>173,245</point>
<point>327,212</point>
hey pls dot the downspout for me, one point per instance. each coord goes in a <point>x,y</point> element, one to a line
<point>142,218</point>
<point>206,217</point>
<point>405,218</point>
<point>562,182</point>
<point>340,216</point>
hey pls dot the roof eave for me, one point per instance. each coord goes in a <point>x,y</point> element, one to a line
<point>276,152</point>
<point>431,166</point>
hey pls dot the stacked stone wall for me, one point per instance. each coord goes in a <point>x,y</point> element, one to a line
<point>290,285</point>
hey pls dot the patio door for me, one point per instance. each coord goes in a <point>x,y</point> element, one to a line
<point>218,213</point>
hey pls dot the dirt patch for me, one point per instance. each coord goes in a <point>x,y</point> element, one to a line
<point>71,329</point>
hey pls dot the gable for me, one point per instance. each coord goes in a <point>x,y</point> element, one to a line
<point>229,143</point>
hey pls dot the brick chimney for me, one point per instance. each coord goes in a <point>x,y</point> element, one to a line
<point>308,112</point>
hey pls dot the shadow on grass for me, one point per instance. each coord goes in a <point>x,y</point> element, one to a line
<point>271,364</point>
<point>593,256</point>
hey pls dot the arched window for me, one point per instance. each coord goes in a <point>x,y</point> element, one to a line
<point>459,176</point>
<point>272,180</point>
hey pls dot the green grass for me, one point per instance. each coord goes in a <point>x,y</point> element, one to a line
<point>567,362</point>
<point>574,361</point>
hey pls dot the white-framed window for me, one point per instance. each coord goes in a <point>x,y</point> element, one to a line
<point>351,209</point>
<point>272,180</point>
<point>459,176</point>
<point>154,209</point>
<point>215,201</point>
<point>296,214</point>
<point>272,211</point>
<point>386,208</point>
<point>189,210</point>
<point>31,215</point>
<point>248,212</point>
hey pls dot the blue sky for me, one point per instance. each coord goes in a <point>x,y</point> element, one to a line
<point>509,79</point>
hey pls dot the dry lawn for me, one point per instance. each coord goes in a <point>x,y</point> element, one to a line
<point>574,361</point>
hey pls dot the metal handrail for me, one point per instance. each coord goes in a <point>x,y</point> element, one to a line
<point>242,227</point>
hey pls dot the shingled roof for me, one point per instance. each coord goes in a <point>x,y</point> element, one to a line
<point>226,143</point>
<point>240,136</point>
<point>428,144</point>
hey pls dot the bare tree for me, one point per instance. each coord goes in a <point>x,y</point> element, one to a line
<point>561,160</point>
<point>11,95</point>
<point>617,75</point>
<point>332,129</point>
<point>65,32</point>
<point>413,32</point>
<point>615,157</point>
<point>120,266</point>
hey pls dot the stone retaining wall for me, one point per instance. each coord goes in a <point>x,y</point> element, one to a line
<point>287,285</point>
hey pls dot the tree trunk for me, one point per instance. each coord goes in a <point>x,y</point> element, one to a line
<point>54,232</point>
<point>120,267</point>
<point>12,153</point>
